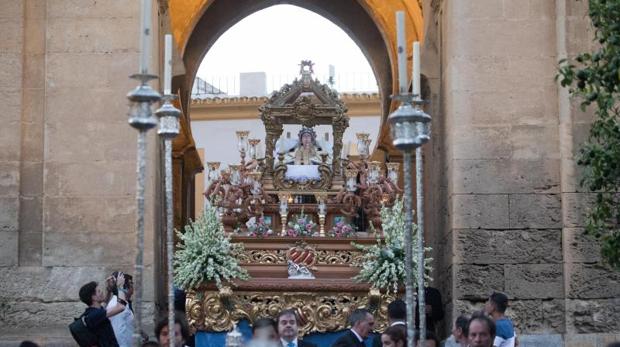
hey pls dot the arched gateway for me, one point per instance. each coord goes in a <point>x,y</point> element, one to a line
<point>326,301</point>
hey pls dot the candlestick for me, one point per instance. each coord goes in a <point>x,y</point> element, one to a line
<point>401,49</point>
<point>145,36</point>
<point>283,211</point>
<point>168,64</point>
<point>321,224</point>
<point>253,147</point>
<point>416,70</point>
<point>351,175</point>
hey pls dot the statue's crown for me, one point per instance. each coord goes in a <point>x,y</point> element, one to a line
<point>305,130</point>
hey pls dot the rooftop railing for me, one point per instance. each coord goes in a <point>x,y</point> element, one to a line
<point>230,86</point>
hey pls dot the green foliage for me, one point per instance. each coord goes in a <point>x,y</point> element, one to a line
<point>207,254</point>
<point>594,78</point>
<point>383,264</point>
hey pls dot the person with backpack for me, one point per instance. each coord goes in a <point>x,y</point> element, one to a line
<point>93,328</point>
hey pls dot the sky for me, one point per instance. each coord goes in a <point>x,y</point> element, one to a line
<point>276,39</point>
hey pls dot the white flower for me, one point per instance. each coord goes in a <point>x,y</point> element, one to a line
<point>206,253</point>
<point>381,265</point>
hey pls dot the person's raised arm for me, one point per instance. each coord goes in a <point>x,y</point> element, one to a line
<point>117,304</point>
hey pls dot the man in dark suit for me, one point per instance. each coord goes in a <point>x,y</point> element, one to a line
<point>288,328</point>
<point>362,322</point>
<point>396,314</point>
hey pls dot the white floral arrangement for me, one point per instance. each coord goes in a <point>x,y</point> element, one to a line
<point>383,264</point>
<point>207,254</point>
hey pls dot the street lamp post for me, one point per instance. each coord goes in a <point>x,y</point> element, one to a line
<point>168,130</point>
<point>410,130</point>
<point>142,119</point>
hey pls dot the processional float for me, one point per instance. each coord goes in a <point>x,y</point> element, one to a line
<point>296,210</point>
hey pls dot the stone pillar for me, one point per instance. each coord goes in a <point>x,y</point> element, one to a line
<point>592,291</point>
<point>498,61</point>
<point>11,65</point>
<point>508,136</point>
<point>31,184</point>
<point>67,158</point>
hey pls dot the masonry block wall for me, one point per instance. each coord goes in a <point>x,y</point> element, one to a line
<point>67,158</point>
<point>515,218</point>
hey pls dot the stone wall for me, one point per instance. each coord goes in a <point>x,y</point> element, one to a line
<point>67,159</point>
<point>515,210</point>
<point>11,23</point>
<point>592,292</point>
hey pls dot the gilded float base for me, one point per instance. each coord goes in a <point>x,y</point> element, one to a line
<point>319,312</point>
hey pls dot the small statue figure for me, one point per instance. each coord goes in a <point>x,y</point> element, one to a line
<point>296,271</point>
<point>308,150</point>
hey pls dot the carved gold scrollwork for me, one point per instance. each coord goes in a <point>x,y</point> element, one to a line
<point>278,257</point>
<point>263,257</point>
<point>319,312</point>
<point>328,257</point>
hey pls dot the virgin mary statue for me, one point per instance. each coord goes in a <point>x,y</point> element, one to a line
<point>308,150</point>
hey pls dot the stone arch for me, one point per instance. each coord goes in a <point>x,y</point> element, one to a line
<point>197,24</point>
<point>222,15</point>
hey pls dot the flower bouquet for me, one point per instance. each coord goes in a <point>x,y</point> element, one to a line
<point>258,227</point>
<point>207,254</point>
<point>303,225</point>
<point>383,264</point>
<point>342,229</point>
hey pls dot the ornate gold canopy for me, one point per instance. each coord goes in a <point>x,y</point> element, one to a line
<point>309,103</point>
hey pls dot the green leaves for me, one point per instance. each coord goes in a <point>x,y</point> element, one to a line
<point>595,80</point>
<point>206,254</point>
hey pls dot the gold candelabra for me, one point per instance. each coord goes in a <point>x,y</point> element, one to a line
<point>283,211</point>
<point>321,198</point>
<point>322,225</point>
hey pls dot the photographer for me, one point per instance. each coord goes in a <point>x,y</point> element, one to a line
<point>122,323</point>
<point>96,318</point>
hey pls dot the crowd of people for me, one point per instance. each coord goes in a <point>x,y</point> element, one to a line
<point>108,322</point>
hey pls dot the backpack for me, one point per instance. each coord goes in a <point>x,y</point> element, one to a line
<point>82,334</point>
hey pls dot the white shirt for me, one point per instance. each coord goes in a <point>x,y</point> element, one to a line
<point>122,324</point>
<point>501,342</point>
